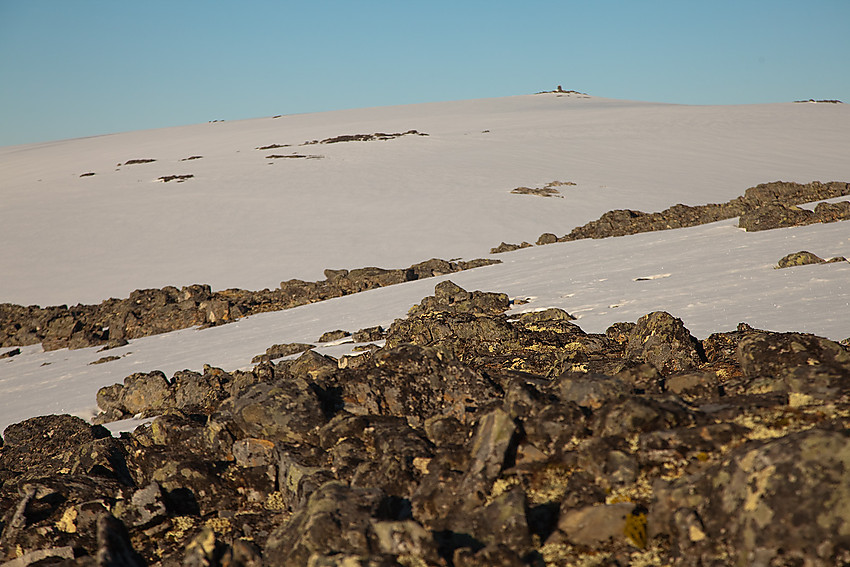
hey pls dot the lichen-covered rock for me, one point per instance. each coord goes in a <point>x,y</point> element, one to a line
<point>546,238</point>
<point>279,351</point>
<point>287,411</point>
<point>663,341</point>
<point>407,540</point>
<point>775,215</point>
<point>377,451</point>
<point>799,259</point>
<point>470,439</point>
<point>144,508</point>
<point>764,353</point>
<point>589,390</point>
<point>313,366</point>
<point>335,335</point>
<point>417,383</point>
<point>336,520</point>
<point>55,444</point>
<point>149,394</point>
<point>640,414</point>
<point>783,500</point>
<point>832,212</point>
<point>451,298</point>
<point>200,393</point>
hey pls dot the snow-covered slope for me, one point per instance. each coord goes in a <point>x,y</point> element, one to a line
<point>248,221</point>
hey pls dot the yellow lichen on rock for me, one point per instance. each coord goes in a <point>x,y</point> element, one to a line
<point>66,522</point>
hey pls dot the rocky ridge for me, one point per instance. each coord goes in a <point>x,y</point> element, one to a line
<point>763,207</point>
<point>473,437</point>
<point>152,311</point>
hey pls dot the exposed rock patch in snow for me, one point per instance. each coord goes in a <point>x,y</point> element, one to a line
<point>153,311</point>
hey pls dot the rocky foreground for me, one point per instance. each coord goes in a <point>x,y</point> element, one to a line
<point>468,439</point>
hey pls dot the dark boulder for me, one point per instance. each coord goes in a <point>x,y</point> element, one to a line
<point>286,411</point>
<point>663,341</point>
<point>417,383</point>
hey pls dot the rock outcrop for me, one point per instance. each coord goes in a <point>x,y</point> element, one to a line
<point>763,207</point>
<point>152,311</point>
<point>471,438</point>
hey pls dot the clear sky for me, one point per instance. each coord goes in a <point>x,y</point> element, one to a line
<point>86,67</point>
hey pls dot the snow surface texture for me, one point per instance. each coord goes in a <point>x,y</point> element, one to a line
<point>247,221</point>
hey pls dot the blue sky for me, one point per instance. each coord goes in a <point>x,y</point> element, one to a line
<point>88,67</point>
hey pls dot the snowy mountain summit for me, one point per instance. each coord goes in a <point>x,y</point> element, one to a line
<point>335,361</point>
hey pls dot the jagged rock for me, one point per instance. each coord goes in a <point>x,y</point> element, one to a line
<point>144,508</point>
<point>335,520</point>
<point>39,556</point>
<point>114,548</point>
<point>364,137</point>
<point>769,205</point>
<point>493,436</point>
<point>313,366</point>
<point>436,267</point>
<point>242,553</point>
<point>329,336</point>
<point>195,434</point>
<point>668,445</point>
<point>663,341</point>
<point>550,314</point>
<point>505,247</point>
<point>369,334</point>
<point>455,486</point>
<point>503,522</point>
<point>203,550</point>
<point>642,378</point>
<point>803,258</point>
<point>200,393</point>
<point>47,445</point>
<point>546,191</point>
<point>490,556</point>
<point>250,452</point>
<point>832,212</point>
<point>794,193</point>
<point>802,364</point>
<point>279,351</point>
<point>417,383</point>
<point>695,386</point>
<point>392,446</point>
<point>300,474</point>
<point>141,394</point>
<point>54,512</point>
<point>451,298</point>
<point>775,215</point>
<point>554,426</point>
